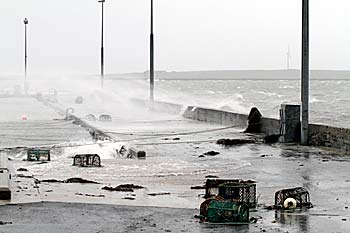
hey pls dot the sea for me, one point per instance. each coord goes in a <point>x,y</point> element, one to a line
<point>329,99</point>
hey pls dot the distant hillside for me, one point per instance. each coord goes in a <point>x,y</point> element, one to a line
<point>237,74</point>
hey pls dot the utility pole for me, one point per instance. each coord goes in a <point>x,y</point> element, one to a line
<point>288,58</point>
<point>25,21</point>
<point>102,47</point>
<point>151,77</point>
<point>305,75</point>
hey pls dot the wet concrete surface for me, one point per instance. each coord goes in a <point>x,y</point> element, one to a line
<point>80,217</point>
<point>173,166</point>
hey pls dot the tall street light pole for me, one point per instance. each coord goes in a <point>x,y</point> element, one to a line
<point>151,79</point>
<point>305,75</point>
<point>25,21</point>
<point>102,48</point>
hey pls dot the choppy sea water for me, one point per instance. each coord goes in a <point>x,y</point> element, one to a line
<point>329,100</point>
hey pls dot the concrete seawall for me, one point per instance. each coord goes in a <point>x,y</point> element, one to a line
<point>269,125</point>
<point>319,135</point>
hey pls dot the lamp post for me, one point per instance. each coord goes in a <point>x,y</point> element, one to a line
<point>151,79</point>
<point>305,75</point>
<point>25,21</point>
<point>102,48</point>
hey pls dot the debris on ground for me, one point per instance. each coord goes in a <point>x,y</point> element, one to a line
<point>5,223</point>
<point>232,196</point>
<point>158,194</point>
<point>176,139</point>
<point>105,117</point>
<point>211,176</point>
<point>292,198</point>
<point>87,160</point>
<point>21,169</point>
<point>234,142</point>
<point>123,188</point>
<point>70,180</point>
<point>38,154</point>
<point>211,153</point>
<point>79,180</point>
<point>50,181</point>
<point>129,198</point>
<point>90,117</point>
<point>273,138</point>
<point>90,195</point>
<point>265,155</point>
<point>24,176</point>
<point>198,187</point>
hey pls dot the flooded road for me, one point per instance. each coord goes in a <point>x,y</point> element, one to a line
<point>175,161</point>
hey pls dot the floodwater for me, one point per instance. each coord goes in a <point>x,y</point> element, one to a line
<point>174,146</point>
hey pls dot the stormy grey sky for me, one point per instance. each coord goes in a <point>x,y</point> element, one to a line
<point>64,35</point>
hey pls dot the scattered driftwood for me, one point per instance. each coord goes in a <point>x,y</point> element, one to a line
<point>80,180</point>
<point>158,194</point>
<point>123,188</point>
<point>90,195</point>
<point>265,155</point>
<point>211,176</point>
<point>21,169</point>
<point>211,153</point>
<point>198,187</point>
<point>24,176</point>
<point>70,180</point>
<point>234,142</point>
<point>51,181</point>
<point>254,121</point>
<point>5,223</point>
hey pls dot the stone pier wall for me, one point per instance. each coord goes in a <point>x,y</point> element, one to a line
<point>323,135</point>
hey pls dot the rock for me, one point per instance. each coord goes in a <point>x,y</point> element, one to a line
<point>176,139</point>
<point>233,142</point>
<point>254,121</point>
<point>211,153</point>
<point>129,198</point>
<point>201,156</point>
